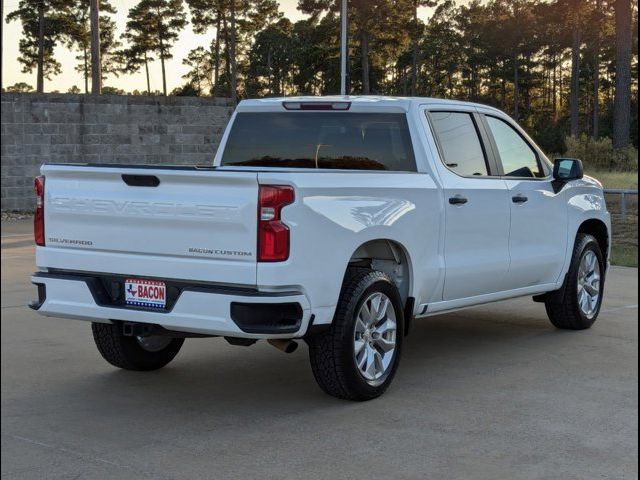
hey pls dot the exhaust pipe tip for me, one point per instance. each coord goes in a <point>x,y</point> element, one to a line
<point>283,344</point>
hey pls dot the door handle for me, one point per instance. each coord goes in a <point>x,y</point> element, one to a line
<point>519,199</point>
<point>140,180</point>
<point>458,200</point>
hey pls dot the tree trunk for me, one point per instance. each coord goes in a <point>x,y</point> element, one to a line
<point>40,72</point>
<point>164,72</point>
<point>414,48</point>
<point>85,55</point>
<point>503,84</point>
<point>554,90</point>
<point>270,73</point>
<point>516,87</point>
<point>364,59</point>
<point>96,65</point>
<point>622,101</point>
<point>233,83</point>
<point>596,96</point>
<point>227,63</point>
<point>575,76</point>
<point>596,74</point>
<point>404,83</point>
<point>527,86</point>
<point>216,58</point>
<point>161,50</point>
<point>146,71</point>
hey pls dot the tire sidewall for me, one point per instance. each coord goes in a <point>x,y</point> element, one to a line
<point>148,360</point>
<point>587,243</point>
<point>135,357</point>
<point>352,374</point>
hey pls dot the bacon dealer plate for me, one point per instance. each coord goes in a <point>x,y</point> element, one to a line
<point>145,293</point>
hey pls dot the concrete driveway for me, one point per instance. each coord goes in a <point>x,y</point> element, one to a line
<point>490,393</point>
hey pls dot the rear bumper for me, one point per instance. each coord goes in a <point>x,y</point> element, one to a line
<point>209,311</point>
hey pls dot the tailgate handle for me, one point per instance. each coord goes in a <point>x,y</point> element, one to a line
<point>140,180</point>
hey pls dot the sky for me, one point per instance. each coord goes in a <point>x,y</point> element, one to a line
<point>12,70</point>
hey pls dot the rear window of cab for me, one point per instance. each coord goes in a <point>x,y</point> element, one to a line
<point>327,140</point>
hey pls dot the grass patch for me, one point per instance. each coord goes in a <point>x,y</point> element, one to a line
<point>624,249</point>
<point>615,179</point>
<point>624,255</point>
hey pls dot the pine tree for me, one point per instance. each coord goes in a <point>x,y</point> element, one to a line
<point>622,105</point>
<point>236,23</point>
<point>79,36</point>
<point>376,24</point>
<point>201,67</point>
<point>417,29</point>
<point>141,46</point>
<point>271,60</point>
<point>44,24</point>
<point>153,26</point>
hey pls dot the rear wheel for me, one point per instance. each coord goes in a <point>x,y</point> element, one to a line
<point>131,352</point>
<point>357,357</point>
<point>579,305</point>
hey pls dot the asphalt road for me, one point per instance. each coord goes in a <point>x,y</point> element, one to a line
<point>489,393</point>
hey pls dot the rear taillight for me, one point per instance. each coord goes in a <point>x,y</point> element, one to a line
<point>273,235</point>
<point>38,218</point>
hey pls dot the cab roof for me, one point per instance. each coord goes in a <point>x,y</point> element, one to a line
<point>403,103</point>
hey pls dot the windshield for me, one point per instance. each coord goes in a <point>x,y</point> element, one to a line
<point>338,140</point>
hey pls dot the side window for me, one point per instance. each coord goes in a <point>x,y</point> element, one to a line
<point>459,143</point>
<point>517,157</point>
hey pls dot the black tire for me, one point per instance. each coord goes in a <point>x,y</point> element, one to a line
<point>563,308</point>
<point>126,352</point>
<point>332,352</point>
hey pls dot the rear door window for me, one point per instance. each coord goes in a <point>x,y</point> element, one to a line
<point>459,143</point>
<point>336,140</point>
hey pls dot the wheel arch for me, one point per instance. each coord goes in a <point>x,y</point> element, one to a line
<point>598,229</point>
<point>590,226</point>
<point>388,256</point>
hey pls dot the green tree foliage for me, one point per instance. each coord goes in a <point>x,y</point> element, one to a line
<point>54,13</point>
<point>199,77</point>
<point>205,15</point>
<point>552,64</point>
<point>380,29</point>
<point>140,46</point>
<point>19,87</point>
<point>153,26</point>
<point>271,62</point>
<point>106,90</point>
<point>236,23</point>
<point>79,37</point>
<point>316,55</point>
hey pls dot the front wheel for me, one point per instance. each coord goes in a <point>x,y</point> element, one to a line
<point>356,359</point>
<point>579,305</point>
<point>131,352</point>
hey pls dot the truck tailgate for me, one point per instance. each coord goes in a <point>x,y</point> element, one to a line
<point>182,223</point>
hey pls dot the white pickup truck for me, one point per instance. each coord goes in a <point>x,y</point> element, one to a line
<point>337,220</point>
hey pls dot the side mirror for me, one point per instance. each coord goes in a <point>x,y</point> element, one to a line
<point>567,169</point>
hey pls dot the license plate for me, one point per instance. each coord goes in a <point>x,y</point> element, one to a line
<point>145,293</point>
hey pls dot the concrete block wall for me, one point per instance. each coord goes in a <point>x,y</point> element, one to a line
<point>39,128</point>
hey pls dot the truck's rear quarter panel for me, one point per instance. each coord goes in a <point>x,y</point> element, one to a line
<point>336,212</point>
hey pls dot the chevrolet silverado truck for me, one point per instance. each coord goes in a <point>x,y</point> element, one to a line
<point>335,220</point>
